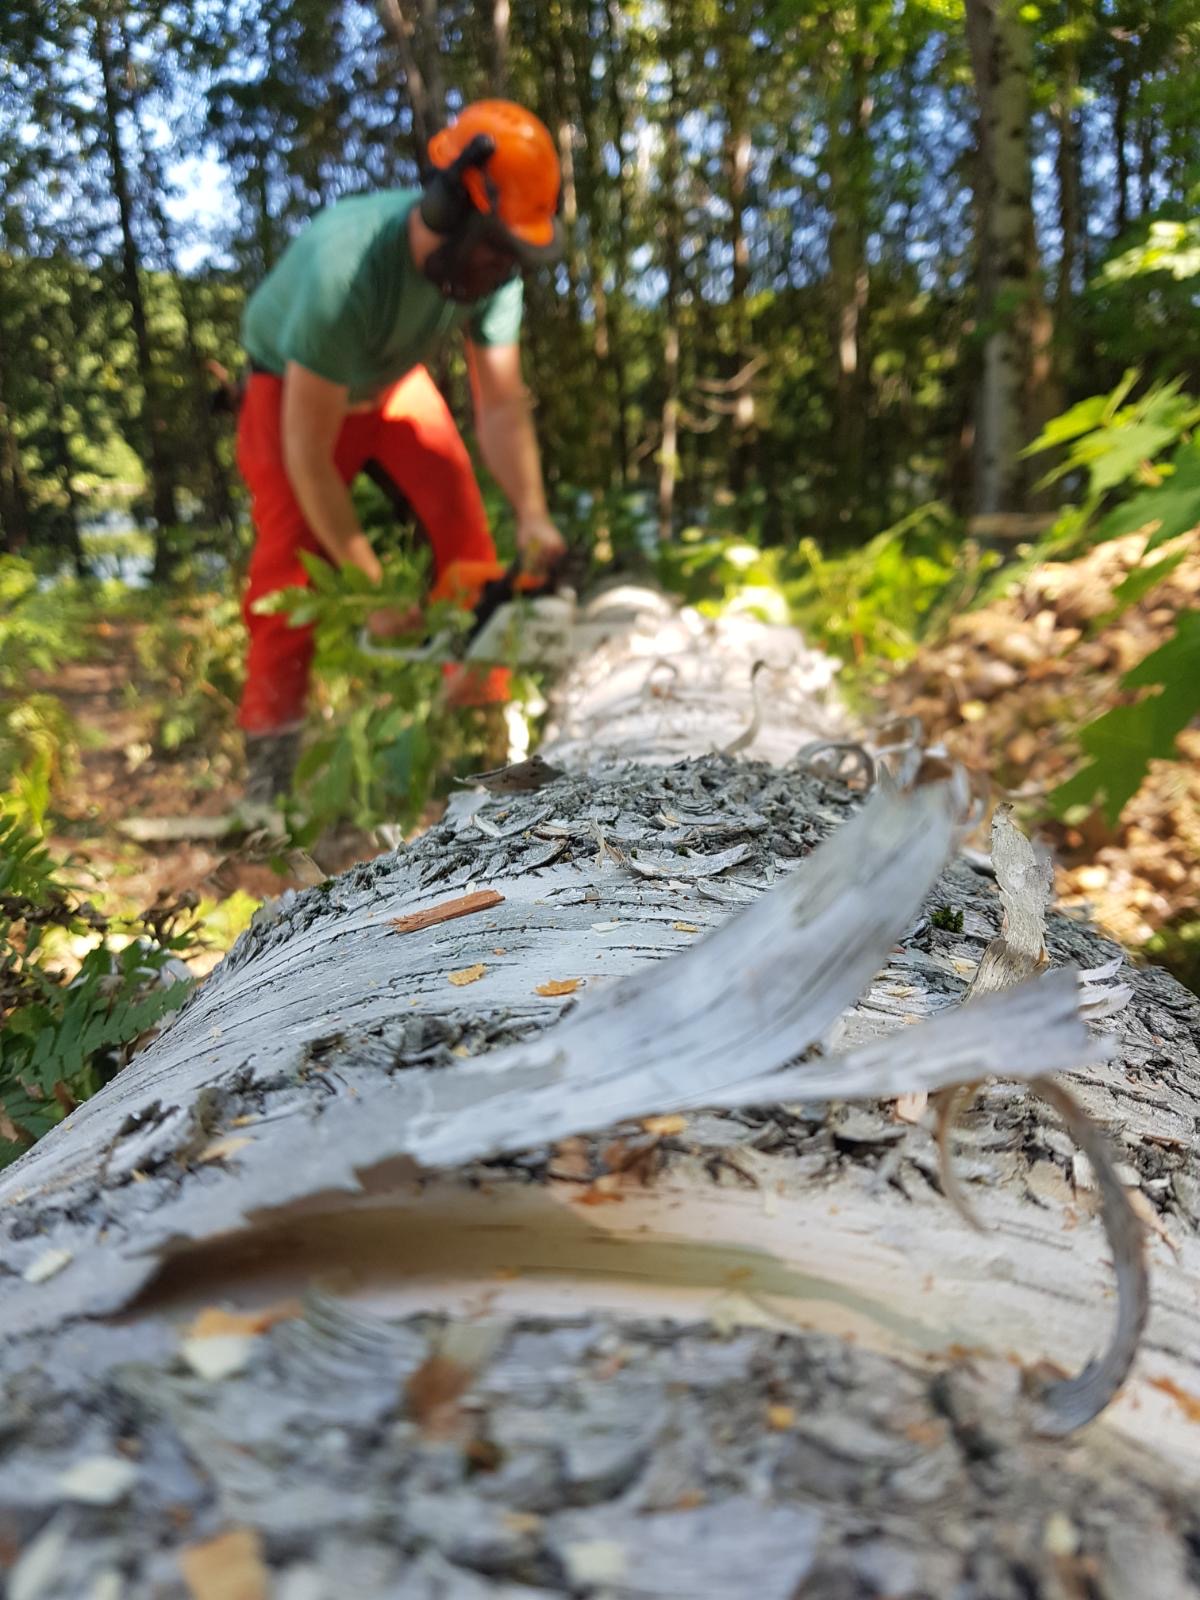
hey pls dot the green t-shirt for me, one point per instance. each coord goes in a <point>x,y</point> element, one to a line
<point>346,301</point>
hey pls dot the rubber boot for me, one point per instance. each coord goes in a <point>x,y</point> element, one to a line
<point>270,764</point>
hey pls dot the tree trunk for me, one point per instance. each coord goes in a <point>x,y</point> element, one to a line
<point>1070,204</point>
<point>413,26</point>
<point>668,456</point>
<point>1121,137</point>
<point>536,1354</point>
<point>738,152</point>
<point>14,499</point>
<point>218,497</point>
<point>849,166</point>
<point>1011,305</point>
<point>67,532</point>
<point>1147,136</point>
<point>498,35</point>
<point>608,341</point>
<point>162,484</point>
<point>614,57</point>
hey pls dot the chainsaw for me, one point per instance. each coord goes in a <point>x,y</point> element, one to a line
<point>516,619</point>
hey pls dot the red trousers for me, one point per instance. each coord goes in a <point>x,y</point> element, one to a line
<point>411,439</point>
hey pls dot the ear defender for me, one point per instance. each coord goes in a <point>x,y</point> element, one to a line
<point>446,205</point>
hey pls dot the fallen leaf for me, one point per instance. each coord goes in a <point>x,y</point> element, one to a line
<point>222,1149</point>
<point>781,1418</point>
<point>97,1480</point>
<point>46,1265</point>
<point>229,1567</point>
<point>662,1127</point>
<point>685,927</point>
<point>466,975</point>
<point>499,950</point>
<point>215,1322</point>
<point>911,1107</point>
<point>558,986</point>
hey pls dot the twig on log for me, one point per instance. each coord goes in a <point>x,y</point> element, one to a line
<point>464,906</point>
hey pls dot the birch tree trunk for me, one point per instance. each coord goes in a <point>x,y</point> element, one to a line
<point>1011,307</point>
<point>269,1334</point>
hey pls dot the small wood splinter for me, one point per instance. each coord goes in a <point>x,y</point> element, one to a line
<point>464,906</point>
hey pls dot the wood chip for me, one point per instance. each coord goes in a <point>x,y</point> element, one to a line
<point>558,986</point>
<point>219,1355</point>
<point>229,1567</point>
<point>433,1393</point>
<point>911,1107</point>
<point>464,906</point>
<point>466,975</point>
<point>97,1480</point>
<point>1150,1217</point>
<point>662,1127</point>
<point>46,1265</point>
<point>222,1149</point>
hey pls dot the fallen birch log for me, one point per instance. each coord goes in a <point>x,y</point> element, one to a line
<point>574,1246</point>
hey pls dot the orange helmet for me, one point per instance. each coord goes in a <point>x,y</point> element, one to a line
<point>517,185</point>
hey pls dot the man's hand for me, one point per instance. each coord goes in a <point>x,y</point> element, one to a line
<point>539,544</point>
<point>391,623</point>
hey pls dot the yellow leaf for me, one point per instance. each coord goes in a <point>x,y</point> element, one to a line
<point>662,1126</point>
<point>780,1417</point>
<point>229,1567</point>
<point>558,986</point>
<point>685,927</point>
<point>468,974</point>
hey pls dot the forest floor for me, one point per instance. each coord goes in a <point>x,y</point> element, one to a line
<point>120,773</point>
<point>1009,685</point>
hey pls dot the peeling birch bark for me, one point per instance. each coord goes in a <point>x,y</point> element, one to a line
<point>698,1315</point>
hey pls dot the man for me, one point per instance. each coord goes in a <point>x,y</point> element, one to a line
<point>338,335</point>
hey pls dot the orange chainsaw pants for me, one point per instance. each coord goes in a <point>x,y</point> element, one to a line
<point>410,439</point>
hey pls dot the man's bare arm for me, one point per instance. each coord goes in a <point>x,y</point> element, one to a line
<point>313,412</point>
<point>509,445</point>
